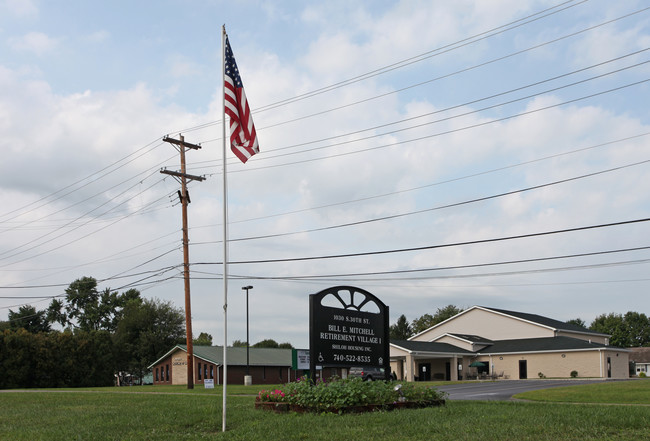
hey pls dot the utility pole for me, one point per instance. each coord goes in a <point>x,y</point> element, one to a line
<point>184,196</point>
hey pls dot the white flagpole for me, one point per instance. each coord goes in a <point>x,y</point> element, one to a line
<point>225,228</point>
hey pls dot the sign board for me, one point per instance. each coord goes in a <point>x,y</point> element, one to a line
<point>348,327</point>
<point>208,383</point>
<point>300,359</point>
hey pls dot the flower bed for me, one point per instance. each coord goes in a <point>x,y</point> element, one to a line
<point>347,396</point>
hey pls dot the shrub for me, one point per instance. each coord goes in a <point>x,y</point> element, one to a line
<point>541,375</point>
<point>642,375</point>
<point>338,393</point>
<point>574,374</point>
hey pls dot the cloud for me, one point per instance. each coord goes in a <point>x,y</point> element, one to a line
<point>35,42</point>
<point>99,36</point>
<point>181,66</point>
<point>21,8</point>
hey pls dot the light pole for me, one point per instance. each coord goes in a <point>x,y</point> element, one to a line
<point>247,380</point>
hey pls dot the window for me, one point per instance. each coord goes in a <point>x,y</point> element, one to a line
<point>280,372</point>
<point>199,371</point>
<point>211,371</point>
<point>167,372</point>
<point>157,374</point>
<point>205,371</point>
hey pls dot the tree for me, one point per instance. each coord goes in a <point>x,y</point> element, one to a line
<point>204,339</point>
<point>401,330</point>
<point>422,323</point>
<point>270,343</point>
<point>577,322</point>
<point>146,331</point>
<point>638,325</point>
<point>427,320</point>
<point>239,344</point>
<point>629,330</point>
<point>29,319</point>
<point>611,324</point>
<point>267,343</point>
<point>87,309</point>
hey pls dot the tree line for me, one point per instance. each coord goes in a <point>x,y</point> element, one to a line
<point>104,333</point>
<point>631,329</point>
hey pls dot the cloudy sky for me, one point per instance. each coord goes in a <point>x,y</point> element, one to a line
<point>406,148</point>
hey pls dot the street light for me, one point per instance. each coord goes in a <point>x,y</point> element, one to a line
<point>248,343</point>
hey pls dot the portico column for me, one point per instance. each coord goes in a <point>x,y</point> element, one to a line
<point>410,368</point>
<point>454,368</point>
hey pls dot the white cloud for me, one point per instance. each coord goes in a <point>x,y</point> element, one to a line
<point>21,8</point>
<point>35,42</point>
<point>99,36</point>
<point>181,66</point>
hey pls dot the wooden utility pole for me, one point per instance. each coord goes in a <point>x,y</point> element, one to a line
<point>184,196</point>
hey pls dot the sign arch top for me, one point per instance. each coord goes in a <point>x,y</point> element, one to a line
<point>350,297</point>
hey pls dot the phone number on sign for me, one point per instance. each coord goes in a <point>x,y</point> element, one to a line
<point>352,358</point>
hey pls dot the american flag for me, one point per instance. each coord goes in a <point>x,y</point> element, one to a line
<point>243,138</point>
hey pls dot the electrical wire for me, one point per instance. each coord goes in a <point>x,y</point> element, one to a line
<point>425,210</point>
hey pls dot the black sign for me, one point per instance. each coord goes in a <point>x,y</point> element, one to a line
<point>348,327</point>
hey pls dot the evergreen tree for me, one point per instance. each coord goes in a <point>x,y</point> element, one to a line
<point>401,330</point>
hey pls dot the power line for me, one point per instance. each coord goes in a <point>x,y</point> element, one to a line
<point>573,34</point>
<point>447,132</point>
<point>440,207</point>
<point>331,278</point>
<point>486,264</point>
<point>432,247</point>
<point>87,178</point>
<point>442,111</point>
<point>403,63</point>
<point>73,241</point>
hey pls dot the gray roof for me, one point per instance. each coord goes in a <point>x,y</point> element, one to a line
<point>541,344</point>
<point>552,323</point>
<point>472,338</point>
<point>237,356</point>
<point>429,346</point>
<point>640,355</point>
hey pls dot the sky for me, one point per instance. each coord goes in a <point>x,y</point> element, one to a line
<point>429,152</point>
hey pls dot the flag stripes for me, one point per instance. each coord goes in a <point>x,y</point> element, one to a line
<point>243,137</point>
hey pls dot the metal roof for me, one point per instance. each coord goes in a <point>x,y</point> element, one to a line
<point>545,321</point>
<point>541,344</point>
<point>237,356</point>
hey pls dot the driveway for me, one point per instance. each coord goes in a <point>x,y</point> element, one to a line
<point>504,389</point>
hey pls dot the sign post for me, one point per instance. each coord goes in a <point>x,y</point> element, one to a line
<point>348,327</point>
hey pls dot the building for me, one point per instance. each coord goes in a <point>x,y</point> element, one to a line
<point>267,365</point>
<point>483,342</point>
<point>641,359</point>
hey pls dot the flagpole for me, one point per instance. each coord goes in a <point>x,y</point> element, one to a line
<point>225,229</point>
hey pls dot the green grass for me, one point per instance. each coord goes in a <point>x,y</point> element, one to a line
<point>626,392</point>
<point>174,413</point>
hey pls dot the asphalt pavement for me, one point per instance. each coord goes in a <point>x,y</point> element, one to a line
<point>503,389</point>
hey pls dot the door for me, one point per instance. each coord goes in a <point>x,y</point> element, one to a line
<point>609,367</point>
<point>448,371</point>
<point>523,369</point>
<point>424,372</point>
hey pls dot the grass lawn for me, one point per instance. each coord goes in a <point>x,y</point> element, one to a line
<point>626,392</point>
<point>174,413</point>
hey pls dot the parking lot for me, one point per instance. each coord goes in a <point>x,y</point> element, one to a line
<point>503,390</point>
